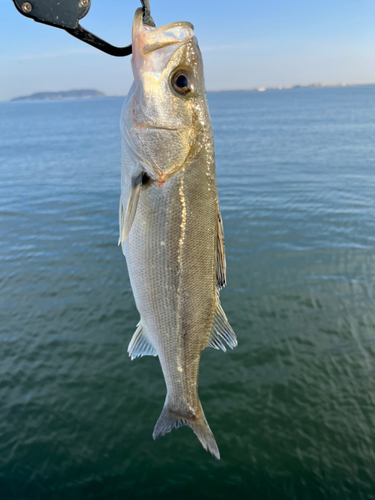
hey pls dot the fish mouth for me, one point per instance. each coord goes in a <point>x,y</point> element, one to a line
<point>167,27</point>
<point>147,39</point>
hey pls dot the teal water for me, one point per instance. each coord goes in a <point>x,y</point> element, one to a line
<point>292,407</point>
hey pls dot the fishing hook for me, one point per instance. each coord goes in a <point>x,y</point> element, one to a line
<point>65,15</point>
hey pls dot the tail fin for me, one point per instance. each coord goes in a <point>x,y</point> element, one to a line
<point>169,420</point>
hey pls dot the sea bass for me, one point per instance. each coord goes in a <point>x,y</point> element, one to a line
<point>171,230</point>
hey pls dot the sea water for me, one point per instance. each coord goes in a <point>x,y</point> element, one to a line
<point>292,407</point>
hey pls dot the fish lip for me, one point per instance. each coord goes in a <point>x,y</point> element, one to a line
<point>166,27</point>
<point>152,48</point>
<point>155,32</point>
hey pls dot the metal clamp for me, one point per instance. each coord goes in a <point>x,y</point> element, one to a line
<point>66,14</point>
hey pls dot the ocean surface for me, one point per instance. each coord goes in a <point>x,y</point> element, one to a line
<point>292,407</point>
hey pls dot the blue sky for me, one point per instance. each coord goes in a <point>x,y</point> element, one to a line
<point>245,44</point>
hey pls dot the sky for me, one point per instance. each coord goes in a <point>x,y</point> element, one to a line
<point>245,44</point>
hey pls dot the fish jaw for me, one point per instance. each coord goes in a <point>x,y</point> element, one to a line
<point>158,124</point>
<point>165,40</point>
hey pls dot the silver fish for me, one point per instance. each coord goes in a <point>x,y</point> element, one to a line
<point>171,230</point>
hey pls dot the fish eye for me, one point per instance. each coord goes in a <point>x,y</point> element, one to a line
<point>182,82</point>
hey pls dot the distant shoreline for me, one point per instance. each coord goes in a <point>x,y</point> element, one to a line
<point>57,96</point>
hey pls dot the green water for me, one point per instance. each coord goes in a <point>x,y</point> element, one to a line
<point>292,407</point>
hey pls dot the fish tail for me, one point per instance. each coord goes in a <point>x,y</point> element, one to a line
<point>169,420</point>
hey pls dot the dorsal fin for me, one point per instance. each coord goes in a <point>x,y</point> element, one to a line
<point>221,331</point>
<point>140,344</point>
<point>220,263</point>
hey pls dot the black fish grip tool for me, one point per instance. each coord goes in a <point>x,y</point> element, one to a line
<point>65,14</point>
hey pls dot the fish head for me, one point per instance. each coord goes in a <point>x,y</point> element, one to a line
<point>166,107</point>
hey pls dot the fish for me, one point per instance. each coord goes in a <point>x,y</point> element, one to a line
<point>171,230</point>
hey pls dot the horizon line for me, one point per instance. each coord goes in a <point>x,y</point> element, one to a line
<point>253,89</point>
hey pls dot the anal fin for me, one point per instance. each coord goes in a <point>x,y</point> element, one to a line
<point>140,345</point>
<point>221,332</point>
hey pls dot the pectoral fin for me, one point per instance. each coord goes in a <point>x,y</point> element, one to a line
<point>220,264</point>
<point>221,332</point>
<point>126,220</point>
<point>140,345</point>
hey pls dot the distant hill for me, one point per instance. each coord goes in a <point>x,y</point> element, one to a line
<point>52,96</point>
